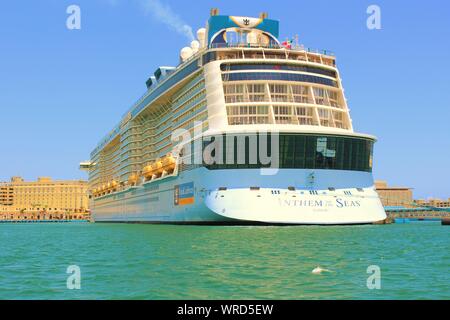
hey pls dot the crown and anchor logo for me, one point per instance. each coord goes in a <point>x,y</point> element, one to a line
<point>246,21</point>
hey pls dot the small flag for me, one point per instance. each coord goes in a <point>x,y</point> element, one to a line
<point>287,44</point>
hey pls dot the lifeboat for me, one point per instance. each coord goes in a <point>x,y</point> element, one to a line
<point>158,167</point>
<point>133,179</point>
<point>168,164</point>
<point>148,171</point>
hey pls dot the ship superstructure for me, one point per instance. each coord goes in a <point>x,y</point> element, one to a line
<point>238,87</point>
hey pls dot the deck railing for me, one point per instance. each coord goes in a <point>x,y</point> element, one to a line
<point>270,46</point>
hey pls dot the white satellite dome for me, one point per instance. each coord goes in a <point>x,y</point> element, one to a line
<point>201,36</point>
<point>195,45</point>
<point>186,53</point>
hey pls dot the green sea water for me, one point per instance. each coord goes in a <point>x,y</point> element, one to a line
<point>130,261</point>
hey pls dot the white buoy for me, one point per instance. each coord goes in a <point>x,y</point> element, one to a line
<point>319,270</point>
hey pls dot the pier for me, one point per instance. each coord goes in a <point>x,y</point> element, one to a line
<point>405,215</point>
<point>400,208</point>
<point>42,221</point>
<point>43,217</point>
<point>417,213</point>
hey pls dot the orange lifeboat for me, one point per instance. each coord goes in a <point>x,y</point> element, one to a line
<point>133,179</point>
<point>168,163</point>
<point>114,185</point>
<point>148,171</point>
<point>158,167</point>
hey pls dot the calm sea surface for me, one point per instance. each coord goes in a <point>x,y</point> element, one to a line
<point>120,261</point>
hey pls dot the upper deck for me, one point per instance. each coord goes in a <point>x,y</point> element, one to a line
<point>225,38</point>
<point>293,55</point>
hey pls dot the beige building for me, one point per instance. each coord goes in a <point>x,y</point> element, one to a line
<point>43,199</point>
<point>394,196</point>
<point>437,203</point>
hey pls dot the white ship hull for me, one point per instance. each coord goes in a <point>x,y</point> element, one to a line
<point>256,203</point>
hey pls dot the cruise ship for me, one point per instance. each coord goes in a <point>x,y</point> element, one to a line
<point>246,129</point>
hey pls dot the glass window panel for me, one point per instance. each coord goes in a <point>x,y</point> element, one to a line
<point>258,66</point>
<point>240,76</point>
<point>312,152</point>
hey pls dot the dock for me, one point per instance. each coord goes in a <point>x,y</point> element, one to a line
<point>43,221</point>
<point>406,215</point>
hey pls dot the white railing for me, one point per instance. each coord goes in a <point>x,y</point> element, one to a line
<point>270,46</point>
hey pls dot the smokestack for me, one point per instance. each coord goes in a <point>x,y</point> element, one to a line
<point>214,12</point>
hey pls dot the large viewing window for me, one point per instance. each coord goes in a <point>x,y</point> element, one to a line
<point>280,76</point>
<point>248,114</point>
<point>287,67</point>
<point>300,151</point>
<point>305,116</point>
<point>256,92</point>
<point>279,92</point>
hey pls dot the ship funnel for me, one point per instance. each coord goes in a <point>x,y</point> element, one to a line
<point>214,12</point>
<point>186,53</point>
<point>201,36</point>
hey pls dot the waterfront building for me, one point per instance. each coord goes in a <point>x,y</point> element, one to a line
<point>433,202</point>
<point>43,199</point>
<point>394,196</point>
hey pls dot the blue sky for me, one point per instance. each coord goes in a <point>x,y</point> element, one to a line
<point>62,90</point>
